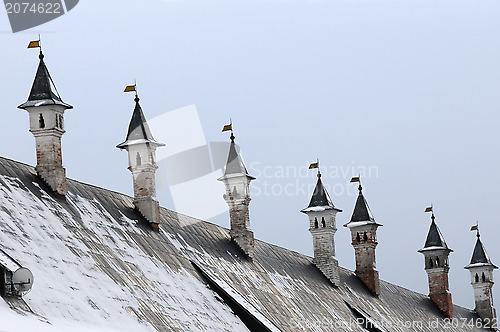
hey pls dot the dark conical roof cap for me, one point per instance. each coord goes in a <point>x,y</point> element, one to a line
<point>361,209</point>
<point>479,255</point>
<point>234,164</point>
<point>361,214</point>
<point>320,200</point>
<point>320,196</point>
<point>138,129</point>
<point>435,239</point>
<point>43,91</point>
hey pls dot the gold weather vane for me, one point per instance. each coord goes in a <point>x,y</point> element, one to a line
<point>36,43</point>
<point>228,127</point>
<point>357,179</point>
<point>430,209</point>
<point>315,165</point>
<point>475,228</point>
<point>130,88</point>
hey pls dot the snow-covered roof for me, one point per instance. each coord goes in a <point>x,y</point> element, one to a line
<point>99,266</point>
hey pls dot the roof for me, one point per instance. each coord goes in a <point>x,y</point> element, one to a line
<point>479,255</point>
<point>320,200</point>
<point>234,164</point>
<point>138,129</point>
<point>43,91</point>
<point>97,262</point>
<point>435,240</point>
<point>361,214</point>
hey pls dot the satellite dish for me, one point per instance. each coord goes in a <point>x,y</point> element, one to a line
<point>22,280</point>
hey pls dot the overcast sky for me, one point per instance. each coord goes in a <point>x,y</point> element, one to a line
<point>404,90</point>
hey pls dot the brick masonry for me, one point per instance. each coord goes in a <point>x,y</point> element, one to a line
<point>482,282</point>
<point>439,290</point>
<point>47,126</point>
<point>364,241</point>
<point>240,231</point>
<point>143,167</point>
<point>323,228</point>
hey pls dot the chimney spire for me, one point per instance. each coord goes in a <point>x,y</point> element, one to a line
<point>237,181</point>
<point>141,148</point>
<point>364,240</point>
<point>322,225</point>
<point>46,114</point>
<point>436,253</point>
<point>481,272</point>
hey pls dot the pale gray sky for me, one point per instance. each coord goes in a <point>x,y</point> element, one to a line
<point>408,88</point>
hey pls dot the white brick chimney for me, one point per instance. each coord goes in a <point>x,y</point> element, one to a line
<point>363,229</point>
<point>436,254</point>
<point>322,225</point>
<point>141,148</point>
<point>46,114</point>
<point>237,181</point>
<point>481,273</point>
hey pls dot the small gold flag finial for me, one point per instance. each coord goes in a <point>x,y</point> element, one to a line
<point>428,209</point>
<point>314,165</point>
<point>355,179</point>
<point>227,127</point>
<point>473,228</point>
<point>129,88</point>
<point>34,43</point>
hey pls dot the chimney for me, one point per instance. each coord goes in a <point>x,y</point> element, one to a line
<point>481,272</point>
<point>46,113</point>
<point>141,148</point>
<point>322,225</point>
<point>436,253</point>
<point>364,240</point>
<point>237,181</point>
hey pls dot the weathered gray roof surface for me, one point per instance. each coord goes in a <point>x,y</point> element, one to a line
<point>96,261</point>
